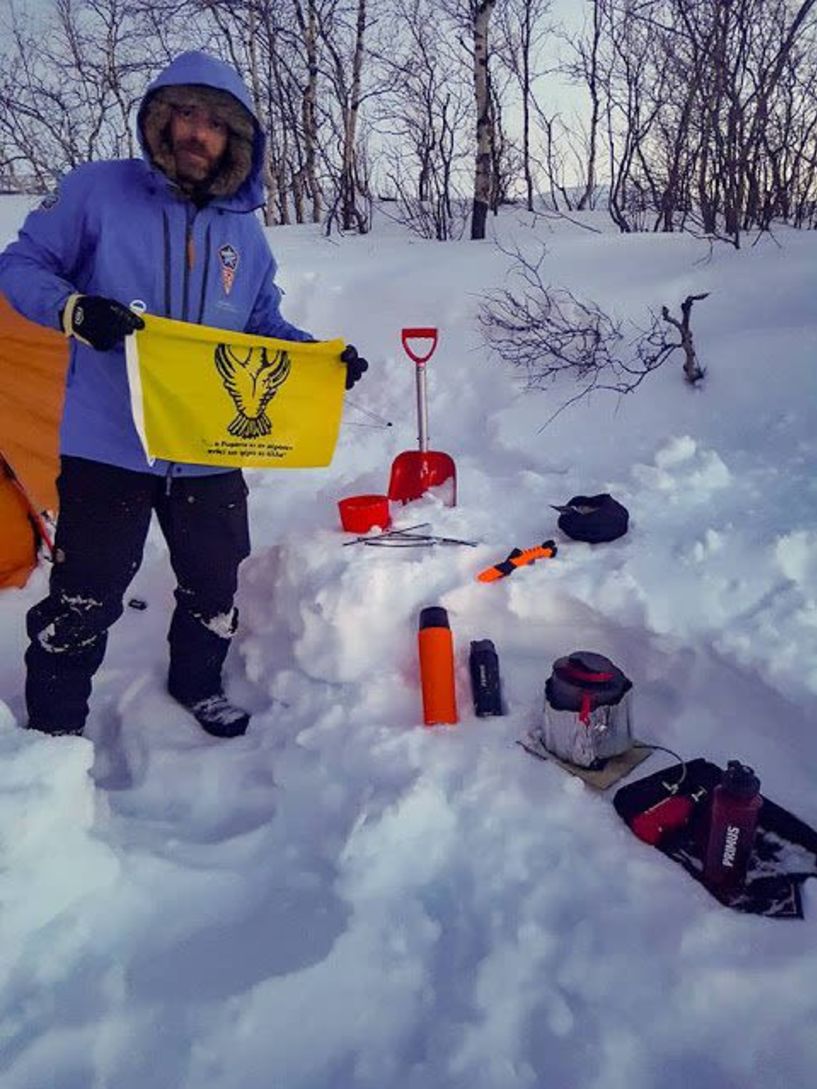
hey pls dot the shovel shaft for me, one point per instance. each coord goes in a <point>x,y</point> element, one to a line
<point>422,408</point>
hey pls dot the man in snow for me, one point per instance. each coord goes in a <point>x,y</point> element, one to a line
<point>177,232</point>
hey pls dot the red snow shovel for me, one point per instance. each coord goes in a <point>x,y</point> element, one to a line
<point>415,471</point>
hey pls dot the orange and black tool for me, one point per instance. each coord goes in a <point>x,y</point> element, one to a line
<point>518,558</point>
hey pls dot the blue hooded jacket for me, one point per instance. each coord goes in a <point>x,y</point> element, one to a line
<point>123,230</point>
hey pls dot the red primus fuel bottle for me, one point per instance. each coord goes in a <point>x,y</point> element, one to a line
<point>736,802</point>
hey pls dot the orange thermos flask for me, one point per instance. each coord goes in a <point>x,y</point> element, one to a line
<point>437,667</point>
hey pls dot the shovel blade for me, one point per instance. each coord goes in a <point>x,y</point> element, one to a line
<point>414,472</point>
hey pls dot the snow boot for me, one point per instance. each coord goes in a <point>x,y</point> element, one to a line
<point>217,716</point>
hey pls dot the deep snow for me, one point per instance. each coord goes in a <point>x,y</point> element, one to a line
<point>344,898</point>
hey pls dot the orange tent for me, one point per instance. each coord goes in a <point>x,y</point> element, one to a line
<point>33,361</point>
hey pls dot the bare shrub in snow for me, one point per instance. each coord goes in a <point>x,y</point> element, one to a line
<point>546,331</point>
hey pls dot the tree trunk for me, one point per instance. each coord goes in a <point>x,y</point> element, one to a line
<point>309,104</point>
<point>350,216</point>
<point>268,173</point>
<point>585,200</point>
<point>482,175</point>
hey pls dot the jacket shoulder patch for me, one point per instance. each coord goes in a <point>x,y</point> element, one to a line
<point>228,256</point>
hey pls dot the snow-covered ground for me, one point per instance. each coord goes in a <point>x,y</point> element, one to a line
<point>344,899</point>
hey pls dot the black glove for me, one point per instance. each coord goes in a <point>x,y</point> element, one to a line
<point>98,322</point>
<point>356,365</point>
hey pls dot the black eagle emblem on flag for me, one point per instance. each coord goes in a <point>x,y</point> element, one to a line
<point>252,380</point>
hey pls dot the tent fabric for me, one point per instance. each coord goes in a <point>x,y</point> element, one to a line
<point>33,363</point>
<point>18,539</point>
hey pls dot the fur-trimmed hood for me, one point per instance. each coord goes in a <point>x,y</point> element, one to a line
<point>238,185</point>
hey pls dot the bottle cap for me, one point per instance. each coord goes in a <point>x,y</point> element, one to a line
<point>434,616</point>
<point>740,780</point>
<point>482,646</point>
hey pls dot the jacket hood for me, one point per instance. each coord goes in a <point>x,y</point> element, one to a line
<point>196,69</point>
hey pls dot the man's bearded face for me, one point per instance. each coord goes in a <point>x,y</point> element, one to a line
<point>198,138</point>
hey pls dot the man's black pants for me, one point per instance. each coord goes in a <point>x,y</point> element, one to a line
<point>103,522</point>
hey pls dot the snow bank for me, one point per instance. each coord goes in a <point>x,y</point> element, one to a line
<point>343,898</point>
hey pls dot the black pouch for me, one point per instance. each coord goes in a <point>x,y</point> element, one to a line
<point>593,518</point>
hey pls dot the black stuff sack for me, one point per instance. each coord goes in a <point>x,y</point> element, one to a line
<point>593,518</point>
<point>783,856</point>
<point>587,710</point>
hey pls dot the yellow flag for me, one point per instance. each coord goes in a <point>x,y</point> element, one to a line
<point>216,397</point>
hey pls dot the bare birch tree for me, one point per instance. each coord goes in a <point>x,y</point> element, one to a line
<point>344,45</point>
<point>520,33</point>
<point>69,81</point>
<point>707,108</point>
<point>422,119</point>
<point>587,69</point>
<point>481,12</point>
<point>307,20</point>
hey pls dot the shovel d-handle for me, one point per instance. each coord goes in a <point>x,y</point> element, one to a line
<point>426,333</point>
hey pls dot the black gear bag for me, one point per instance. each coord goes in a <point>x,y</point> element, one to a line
<point>593,518</point>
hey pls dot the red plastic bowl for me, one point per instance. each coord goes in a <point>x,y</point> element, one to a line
<point>360,513</point>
